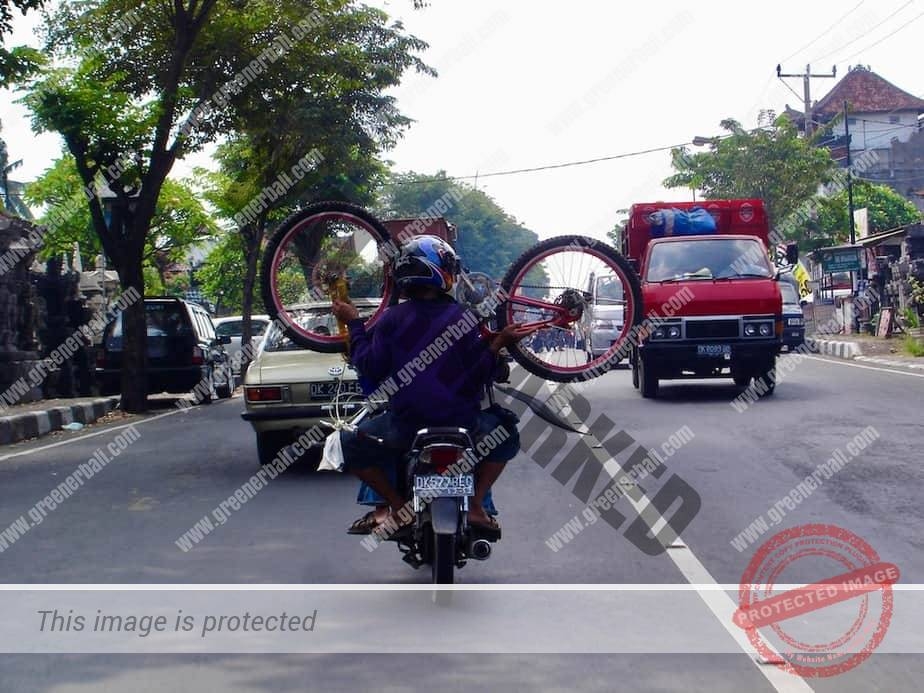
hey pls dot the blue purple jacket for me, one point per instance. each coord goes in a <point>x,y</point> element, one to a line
<point>430,356</point>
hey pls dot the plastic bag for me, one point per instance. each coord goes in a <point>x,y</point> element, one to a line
<point>332,457</point>
<point>677,222</point>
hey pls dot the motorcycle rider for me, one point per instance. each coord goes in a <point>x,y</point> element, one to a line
<point>444,392</point>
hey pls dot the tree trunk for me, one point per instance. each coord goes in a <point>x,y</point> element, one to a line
<point>134,340</point>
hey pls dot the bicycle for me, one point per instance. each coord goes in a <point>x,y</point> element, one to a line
<point>336,248</point>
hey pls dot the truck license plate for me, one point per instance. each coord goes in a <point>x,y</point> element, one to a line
<point>723,350</point>
<point>439,485</point>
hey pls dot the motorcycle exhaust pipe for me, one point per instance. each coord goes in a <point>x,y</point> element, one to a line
<point>481,549</point>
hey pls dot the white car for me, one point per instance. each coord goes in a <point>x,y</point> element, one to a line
<point>232,327</point>
<point>289,390</point>
<point>603,322</point>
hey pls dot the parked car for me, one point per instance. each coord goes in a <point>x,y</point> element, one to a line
<point>233,327</point>
<point>289,390</point>
<point>182,352</point>
<point>603,322</point>
<point>793,317</point>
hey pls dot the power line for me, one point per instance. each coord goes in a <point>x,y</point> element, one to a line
<point>901,28</point>
<point>824,33</point>
<point>546,167</point>
<point>864,34</point>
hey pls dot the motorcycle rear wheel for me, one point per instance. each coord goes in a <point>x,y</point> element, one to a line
<point>443,558</point>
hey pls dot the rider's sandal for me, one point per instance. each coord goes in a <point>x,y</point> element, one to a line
<point>489,530</point>
<point>363,525</point>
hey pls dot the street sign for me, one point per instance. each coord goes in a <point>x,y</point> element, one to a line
<point>840,260</point>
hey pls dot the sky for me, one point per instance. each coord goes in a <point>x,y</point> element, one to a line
<point>526,84</point>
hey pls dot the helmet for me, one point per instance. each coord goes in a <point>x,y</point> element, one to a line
<point>426,261</point>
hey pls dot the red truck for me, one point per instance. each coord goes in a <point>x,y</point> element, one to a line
<point>711,303</point>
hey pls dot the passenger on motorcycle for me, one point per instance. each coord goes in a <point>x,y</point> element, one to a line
<point>431,349</point>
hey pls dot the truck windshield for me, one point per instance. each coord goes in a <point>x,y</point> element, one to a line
<point>714,258</point>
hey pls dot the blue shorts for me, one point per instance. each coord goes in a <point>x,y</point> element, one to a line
<point>501,443</point>
<point>495,441</point>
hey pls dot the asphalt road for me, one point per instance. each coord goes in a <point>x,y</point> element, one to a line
<point>122,524</point>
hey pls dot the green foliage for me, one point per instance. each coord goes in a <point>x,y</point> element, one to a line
<point>489,239</point>
<point>222,275</point>
<point>912,346</point>
<point>887,210</point>
<point>180,220</point>
<point>20,61</point>
<point>911,318</point>
<point>772,163</point>
<point>614,235</point>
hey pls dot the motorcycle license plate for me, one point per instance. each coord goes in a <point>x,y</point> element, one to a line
<point>714,350</point>
<point>439,485</point>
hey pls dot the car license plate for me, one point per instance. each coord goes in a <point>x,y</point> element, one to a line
<point>442,485</point>
<point>714,350</point>
<point>329,390</point>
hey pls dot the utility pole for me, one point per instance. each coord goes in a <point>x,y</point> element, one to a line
<point>806,91</point>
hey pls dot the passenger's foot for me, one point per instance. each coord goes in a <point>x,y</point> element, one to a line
<point>369,521</point>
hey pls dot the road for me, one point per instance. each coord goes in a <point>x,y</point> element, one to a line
<point>121,526</point>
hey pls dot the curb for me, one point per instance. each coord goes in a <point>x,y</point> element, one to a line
<point>38,423</point>
<point>827,347</point>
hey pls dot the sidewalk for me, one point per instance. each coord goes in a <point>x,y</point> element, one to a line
<point>34,419</point>
<point>866,349</point>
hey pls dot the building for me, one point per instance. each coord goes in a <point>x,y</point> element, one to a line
<point>882,118</point>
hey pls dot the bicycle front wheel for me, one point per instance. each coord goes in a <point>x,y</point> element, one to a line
<point>326,249</point>
<point>584,296</point>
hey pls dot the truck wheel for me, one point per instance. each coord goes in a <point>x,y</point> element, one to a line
<point>647,377</point>
<point>767,376</point>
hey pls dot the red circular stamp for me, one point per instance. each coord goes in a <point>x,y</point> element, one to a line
<point>831,623</point>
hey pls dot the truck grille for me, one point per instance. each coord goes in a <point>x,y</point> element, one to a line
<point>711,329</point>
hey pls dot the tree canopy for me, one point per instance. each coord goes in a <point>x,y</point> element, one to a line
<point>180,220</point>
<point>155,81</point>
<point>489,240</point>
<point>772,163</point>
<point>886,210</point>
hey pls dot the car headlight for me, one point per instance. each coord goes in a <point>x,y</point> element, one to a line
<point>673,332</point>
<point>766,329</point>
<point>750,330</point>
<point>795,322</point>
<point>659,333</point>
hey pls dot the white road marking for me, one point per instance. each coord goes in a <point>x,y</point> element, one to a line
<point>841,362</point>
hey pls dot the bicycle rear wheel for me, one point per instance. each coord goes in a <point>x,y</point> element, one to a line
<point>588,297</point>
<point>318,251</point>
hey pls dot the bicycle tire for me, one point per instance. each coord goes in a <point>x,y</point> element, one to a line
<point>271,258</point>
<point>632,310</point>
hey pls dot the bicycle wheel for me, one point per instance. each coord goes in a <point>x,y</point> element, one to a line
<point>581,292</point>
<point>326,249</point>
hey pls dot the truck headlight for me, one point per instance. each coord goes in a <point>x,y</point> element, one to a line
<point>766,329</point>
<point>750,330</point>
<point>673,332</point>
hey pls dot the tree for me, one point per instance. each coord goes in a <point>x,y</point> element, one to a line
<point>772,163</point>
<point>615,235</point>
<point>489,239</point>
<point>180,221</point>
<point>322,143</point>
<point>171,78</point>
<point>886,210</point>
<point>20,61</point>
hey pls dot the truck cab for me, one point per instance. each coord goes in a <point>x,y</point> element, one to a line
<point>712,303</point>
